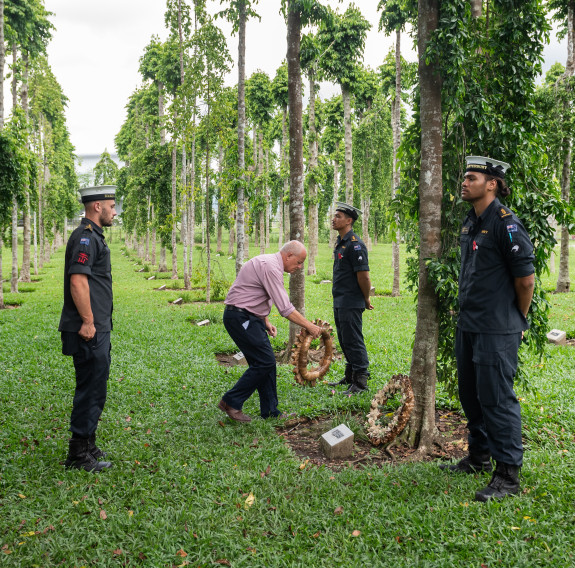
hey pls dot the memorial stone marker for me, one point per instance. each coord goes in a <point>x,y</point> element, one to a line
<point>337,443</point>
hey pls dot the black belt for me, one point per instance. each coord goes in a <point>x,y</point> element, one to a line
<point>236,309</point>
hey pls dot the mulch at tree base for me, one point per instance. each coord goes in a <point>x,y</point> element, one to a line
<point>302,436</point>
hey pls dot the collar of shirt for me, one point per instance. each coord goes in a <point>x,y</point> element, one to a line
<point>489,211</point>
<point>96,228</point>
<point>346,237</point>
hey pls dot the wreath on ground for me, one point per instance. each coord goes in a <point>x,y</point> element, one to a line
<point>299,357</point>
<point>384,435</point>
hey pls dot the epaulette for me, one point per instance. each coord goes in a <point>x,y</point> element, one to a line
<point>504,212</point>
<point>88,227</point>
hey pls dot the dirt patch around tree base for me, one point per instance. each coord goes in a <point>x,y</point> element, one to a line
<point>302,436</point>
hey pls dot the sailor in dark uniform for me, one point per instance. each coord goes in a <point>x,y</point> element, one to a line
<point>495,291</point>
<point>86,323</point>
<point>350,289</point>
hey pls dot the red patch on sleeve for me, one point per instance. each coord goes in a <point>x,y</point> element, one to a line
<point>82,258</point>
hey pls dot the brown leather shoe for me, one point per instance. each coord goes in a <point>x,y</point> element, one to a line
<point>234,414</point>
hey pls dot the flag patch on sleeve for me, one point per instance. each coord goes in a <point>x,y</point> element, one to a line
<point>85,241</point>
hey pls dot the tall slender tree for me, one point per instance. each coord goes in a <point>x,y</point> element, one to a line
<point>238,13</point>
<point>564,13</point>
<point>342,41</point>
<point>395,14</point>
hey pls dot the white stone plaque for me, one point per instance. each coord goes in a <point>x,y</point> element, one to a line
<point>337,443</point>
<point>557,337</point>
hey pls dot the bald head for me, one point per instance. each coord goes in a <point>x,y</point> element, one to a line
<point>293,247</point>
<point>293,256</point>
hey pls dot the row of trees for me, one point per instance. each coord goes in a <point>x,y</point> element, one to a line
<point>236,158</point>
<point>38,183</point>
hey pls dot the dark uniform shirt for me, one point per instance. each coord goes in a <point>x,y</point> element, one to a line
<point>87,253</point>
<point>495,249</point>
<point>349,257</point>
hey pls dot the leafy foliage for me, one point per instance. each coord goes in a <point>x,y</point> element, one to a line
<point>488,109</point>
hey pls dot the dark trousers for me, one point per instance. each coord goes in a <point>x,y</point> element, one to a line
<point>92,365</point>
<point>486,366</point>
<point>249,334</point>
<point>348,323</point>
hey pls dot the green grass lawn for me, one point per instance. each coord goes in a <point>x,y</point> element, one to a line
<point>180,489</point>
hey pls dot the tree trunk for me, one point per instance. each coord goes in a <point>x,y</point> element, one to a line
<point>396,133</point>
<point>14,279</point>
<point>286,210</point>
<point>365,205</point>
<point>35,245</point>
<point>240,216</point>
<point>563,280</point>
<point>296,208</point>
<point>218,196</point>
<point>421,427</point>
<point>191,201</point>
<point>161,113</point>
<point>267,200</point>
<point>153,253</point>
<point>346,96</point>
<point>312,186</point>
<point>333,234</point>
<point>232,236</point>
<point>476,8</point>
<point>25,272</point>
<point>185,220</point>
<point>163,265</point>
<point>262,213</point>
<point>207,205</point>
<point>174,213</point>
<point>283,152</point>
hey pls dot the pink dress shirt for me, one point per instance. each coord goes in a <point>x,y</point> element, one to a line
<point>260,284</point>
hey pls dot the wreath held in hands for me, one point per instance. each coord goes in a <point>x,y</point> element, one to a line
<point>299,358</point>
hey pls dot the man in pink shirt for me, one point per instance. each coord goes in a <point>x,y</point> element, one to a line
<point>258,285</point>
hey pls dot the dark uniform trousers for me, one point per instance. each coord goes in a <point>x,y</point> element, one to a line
<point>486,366</point>
<point>249,334</point>
<point>92,365</point>
<point>348,323</point>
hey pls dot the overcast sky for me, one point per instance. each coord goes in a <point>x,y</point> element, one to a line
<point>97,44</point>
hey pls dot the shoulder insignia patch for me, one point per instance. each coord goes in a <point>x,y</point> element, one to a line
<point>503,212</point>
<point>88,226</point>
<point>465,230</point>
<point>353,238</point>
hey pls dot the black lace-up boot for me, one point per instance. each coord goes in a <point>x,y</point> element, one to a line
<point>505,481</point>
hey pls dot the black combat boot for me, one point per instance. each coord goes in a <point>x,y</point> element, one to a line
<point>505,481</point>
<point>79,456</point>
<point>358,383</point>
<point>96,452</point>
<point>346,379</point>
<point>472,463</point>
